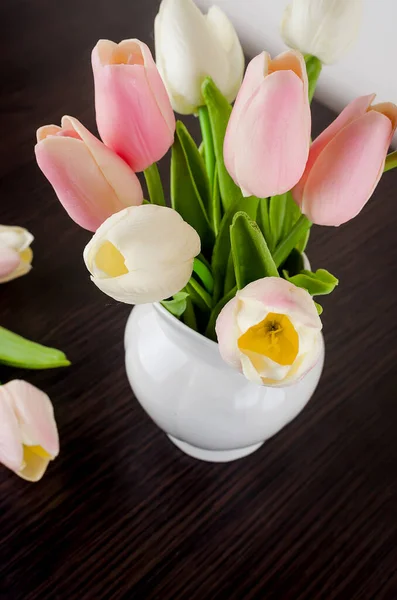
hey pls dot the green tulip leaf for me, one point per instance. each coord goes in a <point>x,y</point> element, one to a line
<point>251,255</point>
<point>154,185</point>
<point>16,351</point>
<point>319,283</point>
<point>198,295</point>
<point>177,305</point>
<point>216,205</point>
<point>319,308</point>
<point>222,248</point>
<point>219,111</point>
<point>189,186</point>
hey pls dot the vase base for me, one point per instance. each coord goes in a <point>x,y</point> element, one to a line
<point>215,456</point>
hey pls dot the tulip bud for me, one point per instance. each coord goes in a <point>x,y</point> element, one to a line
<point>191,46</point>
<point>346,162</point>
<point>271,332</point>
<point>91,182</point>
<point>133,112</point>
<point>15,253</point>
<point>324,28</point>
<point>28,432</point>
<point>268,136</point>
<point>142,254</point>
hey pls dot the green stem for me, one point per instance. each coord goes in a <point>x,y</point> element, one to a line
<point>313,68</point>
<point>285,248</point>
<point>154,185</point>
<point>204,273</point>
<point>391,161</point>
<point>209,152</point>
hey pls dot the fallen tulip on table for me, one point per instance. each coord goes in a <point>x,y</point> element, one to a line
<point>28,432</point>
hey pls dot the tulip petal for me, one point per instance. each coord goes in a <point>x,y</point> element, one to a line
<point>280,296</point>
<point>226,330</point>
<point>273,137</point>
<point>254,75</point>
<point>116,172</point>
<point>17,238</point>
<point>11,453</point>
<point>227,36</point>
<point>352,111</point>
<point>324,29</point>
<point>143,286</point>
<point>9,262</point>
<point>347,171</point>
<point>35,415</point>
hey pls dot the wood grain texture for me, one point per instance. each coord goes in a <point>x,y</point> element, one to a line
<point>122,514</point>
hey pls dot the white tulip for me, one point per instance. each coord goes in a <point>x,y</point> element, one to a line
<point>142,254</point>
<point>191,46</point>
<point>15,252</point>
<point>271,332</point>
<point>324,28</point>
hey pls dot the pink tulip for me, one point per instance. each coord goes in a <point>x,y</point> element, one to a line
<point>346,162</point>
<point>28,432</point>
<point>133,111</point>
<point>90,180</point>
<point>268,137</point>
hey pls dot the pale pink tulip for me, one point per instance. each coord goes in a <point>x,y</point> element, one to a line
<point>28,432</point>
<point>271,332</point>
<point>9,262</point>
<point>15,252</point>
<point>268,137</point>
<point>133,111</point>
<point>346,162</point>
<point>90,180</point>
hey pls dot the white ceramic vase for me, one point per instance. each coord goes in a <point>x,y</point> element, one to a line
<point>207,409</point>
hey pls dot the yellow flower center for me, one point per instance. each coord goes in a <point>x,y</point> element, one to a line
<point>26,255</point>
<point>34,464</point>
<point>110,260</point>
<point>275,337</point>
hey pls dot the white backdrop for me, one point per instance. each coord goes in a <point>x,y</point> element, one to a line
<point>370,66</point>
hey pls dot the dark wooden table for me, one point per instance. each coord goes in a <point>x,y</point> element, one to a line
<point>122,514</point>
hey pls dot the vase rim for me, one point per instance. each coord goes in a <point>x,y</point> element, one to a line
<point>182,327</point>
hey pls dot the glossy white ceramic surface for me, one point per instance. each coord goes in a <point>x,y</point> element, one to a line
<point>209,410</point>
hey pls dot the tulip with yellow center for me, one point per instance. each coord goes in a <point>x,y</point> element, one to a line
<point>28,432</point>
<point>15,252</point>
<point>271,332</point>
<point>142,254</point>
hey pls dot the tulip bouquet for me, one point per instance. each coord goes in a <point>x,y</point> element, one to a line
<point>28,431</point>
<point>227,256</point>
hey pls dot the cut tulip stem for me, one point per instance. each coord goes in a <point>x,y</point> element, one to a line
<point>209,152</point>
<point>154,185</point>
<point>285,248</point>
<point>391,161</point>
